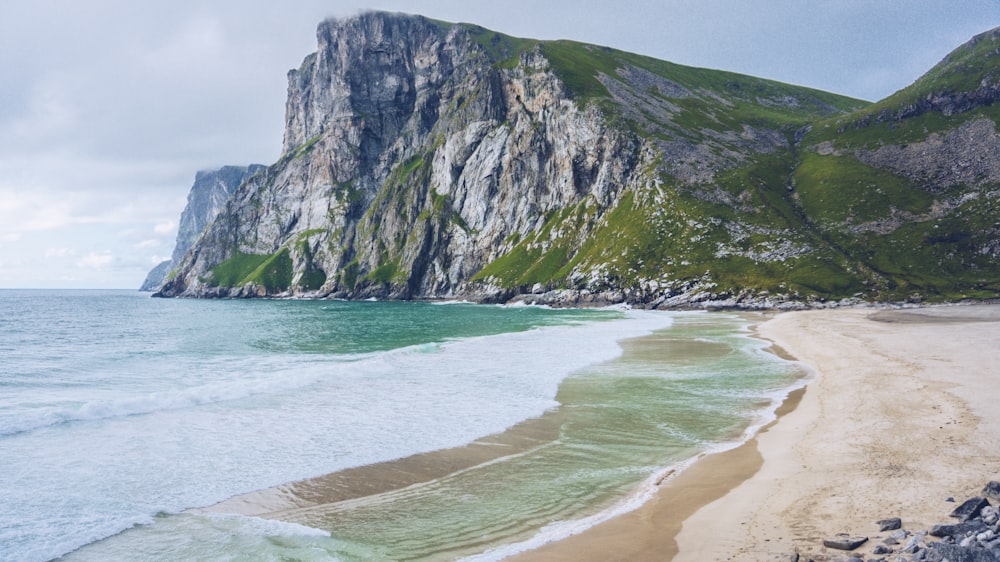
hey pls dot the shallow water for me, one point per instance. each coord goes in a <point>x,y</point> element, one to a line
<point>122,412</point>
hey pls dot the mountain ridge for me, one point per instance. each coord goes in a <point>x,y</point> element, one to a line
<point>432,160</point>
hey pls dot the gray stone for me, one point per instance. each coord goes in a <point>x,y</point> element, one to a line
<point>899,534</point>
<point>992,490</point>
<point>881,549</point>
<point>940,552</point>
<point>889,524</point>
<point>958,529</point>
<point>970,508</point>
<point>844,542</point>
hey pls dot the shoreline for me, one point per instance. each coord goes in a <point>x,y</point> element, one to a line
<point>649,532</point>
<point>286,501</point>
<point>896,419</point>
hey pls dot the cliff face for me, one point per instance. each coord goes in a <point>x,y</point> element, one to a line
<point>424,159</point>
<point>210,192</point>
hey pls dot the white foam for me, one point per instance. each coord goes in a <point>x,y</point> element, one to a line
<point>165,400</point>
<point>264,527</point>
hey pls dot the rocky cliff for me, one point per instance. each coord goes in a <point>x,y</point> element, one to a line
<point>210,192</point>
<point>426,159</point>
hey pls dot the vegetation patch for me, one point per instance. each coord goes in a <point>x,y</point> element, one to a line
<point>274,272</point>
<point>840,189</point>
<point>387,273</point>
<point>503,50</point>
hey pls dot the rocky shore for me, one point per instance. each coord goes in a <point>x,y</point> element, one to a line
<point>973,537</point>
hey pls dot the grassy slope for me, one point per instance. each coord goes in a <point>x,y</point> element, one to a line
<point>673,235</point>
<point>936,258</point>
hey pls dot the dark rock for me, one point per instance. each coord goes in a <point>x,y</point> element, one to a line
<point>882,549</point>
<point>970,508</point>
<point>992,490</point>
<point>954,553</point>
<point>950,500</point>
<point>889,524</point>
<point>794,557</point>
<point>844,542</point>
<point>958,529</point>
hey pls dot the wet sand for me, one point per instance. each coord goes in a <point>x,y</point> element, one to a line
<point>282,501</point>
<point>900,416</point>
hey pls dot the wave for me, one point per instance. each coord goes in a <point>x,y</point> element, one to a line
<point>149,403</point>
<point>282,374</point>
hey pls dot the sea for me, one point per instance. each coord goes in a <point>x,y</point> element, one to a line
<point>124,419</point>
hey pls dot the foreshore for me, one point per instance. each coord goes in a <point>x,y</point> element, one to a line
<point>900,416</point>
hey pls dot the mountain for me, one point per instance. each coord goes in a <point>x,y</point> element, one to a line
<point>154,279</point>
<point>909,188</point>
<point>208,195</point>
<point>425,159</point>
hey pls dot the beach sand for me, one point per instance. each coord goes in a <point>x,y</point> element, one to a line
<point>900,416</point>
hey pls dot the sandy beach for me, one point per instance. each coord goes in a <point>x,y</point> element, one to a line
<point>900,416</point>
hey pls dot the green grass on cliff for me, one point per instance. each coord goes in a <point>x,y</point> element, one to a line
<point>579,66</point>
<point>840,189</point>
<point>684,236</point>
<point>274,271</point>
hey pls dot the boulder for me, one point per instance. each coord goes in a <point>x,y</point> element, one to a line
<point>889,524</point>
<point>992,490</point>
<point>844,541</point>
<point>939,552</point>
<point>970,508</point>
<point>958,529</point>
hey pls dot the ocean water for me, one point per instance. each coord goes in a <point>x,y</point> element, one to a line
<point>121,414</point>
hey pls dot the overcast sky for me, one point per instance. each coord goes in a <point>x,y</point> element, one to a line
<point>109,107</point>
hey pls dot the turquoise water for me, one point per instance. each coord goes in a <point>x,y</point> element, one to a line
<point>119,413</point>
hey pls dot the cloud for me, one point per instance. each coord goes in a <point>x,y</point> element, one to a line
<point>95,261</point>
<point>147,244</point>
<point>59,252</point>
<point>165,227</point>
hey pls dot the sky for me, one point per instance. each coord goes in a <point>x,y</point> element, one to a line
<point>108,108</point>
